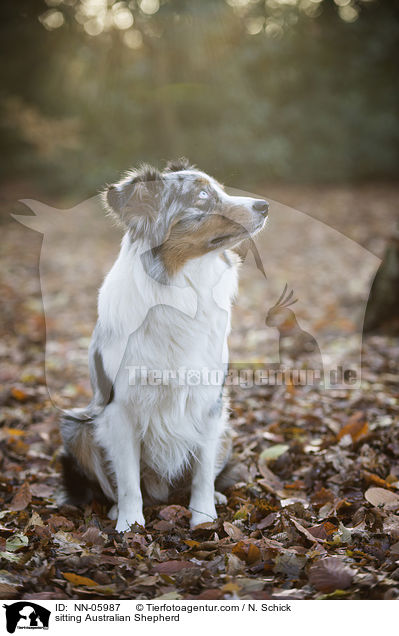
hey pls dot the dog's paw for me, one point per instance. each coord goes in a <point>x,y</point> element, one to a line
<point>220,499</point>
<point>126,520</point>
<point>198,517</point>
<point>113,512</point>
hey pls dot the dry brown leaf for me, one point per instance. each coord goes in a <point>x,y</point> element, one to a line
<point>357,427</point>
<point>19,395</point>
<point>8,591</point>
<point>76,579</point>
<point>93,536</point>
<point>382,497</point>
<point>35,520</point>
<point>163,526</point>
<point>246,551</point>
<point>172,567</point>
<point>174,513</point>
<point>57,522</point>
<point>306,532</point>
<point>22,498</point>
<point>270,482</point>
<point>267,521</point>
<point>212,594</point>
<point>323,530</point>
<point>13,432</point>
<point>372,478</point>
<point>322,496</point>
<point>231,588</point>
<point>330,574</point>
<point>234,533</point>
<point>41,490</point>
<point>191,543</point>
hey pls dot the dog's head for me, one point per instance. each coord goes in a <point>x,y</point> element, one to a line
<point>183,212</point>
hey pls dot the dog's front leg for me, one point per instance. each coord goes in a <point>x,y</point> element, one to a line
<point>202,501</point>
<point>122,444</point>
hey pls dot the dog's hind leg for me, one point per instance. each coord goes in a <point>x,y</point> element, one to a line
<point>121,442</point>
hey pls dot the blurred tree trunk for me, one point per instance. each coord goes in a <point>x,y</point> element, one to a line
<point>169,128</point>
<point>382,312</point>
<point>167,107</point>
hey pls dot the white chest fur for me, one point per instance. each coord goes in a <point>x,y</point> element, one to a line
<point>178,331</point>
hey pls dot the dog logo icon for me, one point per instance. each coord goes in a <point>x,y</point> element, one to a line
<point>26,615</point>
<point>293,340</point>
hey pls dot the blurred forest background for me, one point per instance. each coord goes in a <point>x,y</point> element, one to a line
<point>251,90</point>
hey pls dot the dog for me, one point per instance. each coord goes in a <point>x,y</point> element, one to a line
<point>164,306</point>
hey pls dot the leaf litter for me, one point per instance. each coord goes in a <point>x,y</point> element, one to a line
<point>314,513</point>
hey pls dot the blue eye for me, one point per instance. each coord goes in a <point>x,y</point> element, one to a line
<point>203,194</point>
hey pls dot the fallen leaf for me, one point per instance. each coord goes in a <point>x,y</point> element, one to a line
<point>249,585</point>
<point>234,564</point>
<point>357,427</point>
<point>16,542</point>
<point>273,452</point>
<point>8,591</point>
<point>41,490</point>
<point>19,395</point>
<point>322,497</point>
<point>93,536</point>
<point>382,497</point>
<point>171,567</point>
<point>330,574</point>
<point>76,579</point>
<point>323,530</point>
<point>169,596</point>
<point>212,594</point>
<point>13,558</point>
<point>234,533</point>
<point>99,590</point>
<point>13,432</point>
<point>290,564</point>
<point>57,522</point>
<point>270,482</point>
<point>248,552</point>
<point>22,498</point>
<point>306,532</point>
<point>163,526</point>
<point>191,543</point>
<point>67,543</point>
<point>267,521</point>
<point>174,513</point>
<point>372,478</point>
<point>231,588</point>
<point>35,520</point>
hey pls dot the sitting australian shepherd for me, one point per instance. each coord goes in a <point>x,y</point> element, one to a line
<point>163,307</point>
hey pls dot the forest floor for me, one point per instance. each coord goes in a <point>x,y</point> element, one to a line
<point>315,513</point>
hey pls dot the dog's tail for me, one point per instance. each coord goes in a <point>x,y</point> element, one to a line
<point>83,462</point>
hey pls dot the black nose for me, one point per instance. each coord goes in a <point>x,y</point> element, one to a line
<point>261,206</point>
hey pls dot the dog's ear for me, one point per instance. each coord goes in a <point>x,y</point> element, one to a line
<point>136,196</point>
